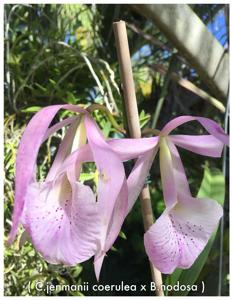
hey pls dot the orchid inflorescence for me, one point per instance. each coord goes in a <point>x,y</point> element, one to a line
<point>68,222</point>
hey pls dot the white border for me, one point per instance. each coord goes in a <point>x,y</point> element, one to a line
<point>2,147</point>
<point>2,109</point>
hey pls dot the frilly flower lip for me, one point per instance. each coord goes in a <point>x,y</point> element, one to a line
<point>67,222</point>
<point>56,217</point>
<point>180,234</point>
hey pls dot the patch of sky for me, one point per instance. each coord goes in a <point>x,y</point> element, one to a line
<point>141,53</point>
<point>145,52</point>
<point>39,12</point>
<point>166,54</point>
<point>21,28</point>
<point>69,38</point>
<point>94,95</point>
<point>217,27</point>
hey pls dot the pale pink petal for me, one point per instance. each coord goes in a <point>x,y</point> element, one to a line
<point>111,180</point>
<point>32,138</point>
<point>180,234</point>
<point>83,154</point>
<point>132,148</point>
<point>137,177</point>
<point>181,181</point>
<point>202,144</point>
<point>114,228</point>
<point>167,173</point>
<point>64,149</point>
<point>161,244</point>
<point>62,220</point>
<point>211,126</point>
<point>26,159</point>
<point>98,262</point>
<point>51,130</point>
<point>126,149</point>
<point>117,217</point>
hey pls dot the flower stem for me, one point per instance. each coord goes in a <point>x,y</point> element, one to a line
<point>131,108</point>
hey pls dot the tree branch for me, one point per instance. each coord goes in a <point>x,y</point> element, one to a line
<point>191,37</point>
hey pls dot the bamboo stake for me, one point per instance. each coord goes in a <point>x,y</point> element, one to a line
<point>130,102</point>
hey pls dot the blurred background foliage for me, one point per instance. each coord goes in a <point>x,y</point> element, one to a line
<point>66,54</point>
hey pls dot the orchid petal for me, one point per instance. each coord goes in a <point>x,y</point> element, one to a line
<point>137,177</point>
<point>167,173</point>
<point>131,148</point>
<point>98,262</point>
<point>202,144</point>
<point>181,233</point>
<point>64,149</point>
<point>161,245</point>
<point>27,153</point>
<point>117,217</point>
<point>58,126</point>
<point>181,180</point>
<point>62,220</point>
<point>111,179</point>
<point>83,154</point>
<point>211,126</point>
<point>126,149</point>
<point>26,159</point>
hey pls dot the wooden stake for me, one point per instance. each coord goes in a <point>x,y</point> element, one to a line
<point>131,108</point>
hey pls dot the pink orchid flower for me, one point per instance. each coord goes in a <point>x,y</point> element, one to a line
<point>66,223</point>
<point>180,234</point>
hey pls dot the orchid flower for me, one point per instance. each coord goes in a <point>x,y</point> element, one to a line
<point>62,216</point>
<point>182,231</point>
<point>65,221</point>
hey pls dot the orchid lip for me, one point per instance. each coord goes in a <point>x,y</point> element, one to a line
<point>179,235</point>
